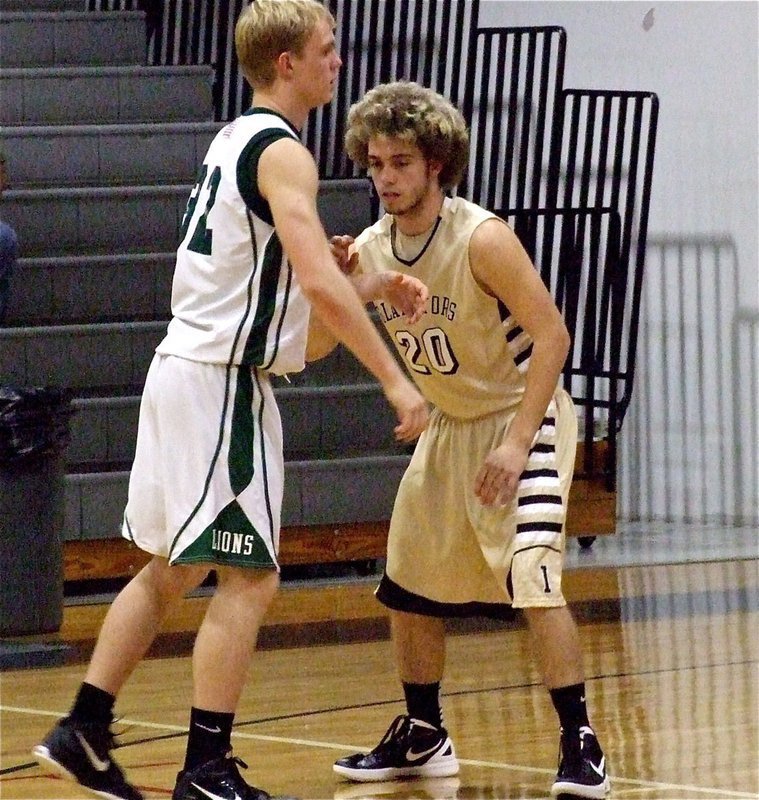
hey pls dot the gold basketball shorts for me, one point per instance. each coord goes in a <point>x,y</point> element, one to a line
<point>448,555</point>
<point>207,480</point>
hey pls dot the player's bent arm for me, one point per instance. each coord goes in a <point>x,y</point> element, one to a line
<point>321,340</point>
<point>405,292</point>
<point>503,269</point>
<point>288,180</point>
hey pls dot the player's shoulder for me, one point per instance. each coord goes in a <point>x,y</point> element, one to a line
<point>251,131</point>
<point>462,210</point>
<point>470,222</point>
<point>381,228</point>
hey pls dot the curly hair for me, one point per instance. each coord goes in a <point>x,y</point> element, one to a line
<point>408,111</point>
<point>267,28</point>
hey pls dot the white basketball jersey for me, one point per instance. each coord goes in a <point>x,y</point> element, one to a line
<point>235,298</point>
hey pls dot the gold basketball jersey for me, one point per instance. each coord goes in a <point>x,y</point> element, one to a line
<point>467,354</point>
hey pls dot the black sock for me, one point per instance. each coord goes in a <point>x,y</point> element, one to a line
<point>209,738</point>
<point>93,705</point>
<point>423,702</point>
<point>569,702</point>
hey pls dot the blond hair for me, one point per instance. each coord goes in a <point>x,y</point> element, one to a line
<point>411,112</point>
<point>267,28</point>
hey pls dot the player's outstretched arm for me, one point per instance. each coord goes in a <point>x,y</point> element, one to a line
<point>288,180</point>
<point>405,293</point>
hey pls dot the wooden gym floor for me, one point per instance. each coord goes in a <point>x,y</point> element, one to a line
<point>669,627</point>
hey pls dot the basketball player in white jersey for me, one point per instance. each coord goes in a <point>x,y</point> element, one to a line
<point>478,523</point>
<point>206,485</point>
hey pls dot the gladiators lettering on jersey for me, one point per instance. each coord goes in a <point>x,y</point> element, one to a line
<point>443,306</point>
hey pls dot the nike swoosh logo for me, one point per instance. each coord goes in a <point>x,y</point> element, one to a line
<point>213,796</point>
<point>99,764</point>
<point>413,756</point>
<point>215,729</point>
<point>600,768</point>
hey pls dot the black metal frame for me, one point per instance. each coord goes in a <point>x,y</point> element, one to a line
<point>598,147</point>
<point>588,169</point>
<point>577,252</point>
<point>519,71</point>
<point>377,44</point>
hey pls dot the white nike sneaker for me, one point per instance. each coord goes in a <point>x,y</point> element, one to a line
<point>81,752</point>
<point>410,748</point>
<point>582,766</point>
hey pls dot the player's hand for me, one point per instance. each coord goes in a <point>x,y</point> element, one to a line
<point>340,247</point>
<point>497,481</point>
<point>410,408</point>
<point>406,293</point>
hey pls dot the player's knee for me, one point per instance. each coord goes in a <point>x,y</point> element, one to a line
<point>260,584</point>
<point>175,580</point>
<point>543,618</point>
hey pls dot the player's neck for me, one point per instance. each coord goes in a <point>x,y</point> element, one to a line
<point>291,110</point>
<point>421,219</point>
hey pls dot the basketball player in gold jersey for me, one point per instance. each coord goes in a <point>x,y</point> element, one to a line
<point>478,522</point>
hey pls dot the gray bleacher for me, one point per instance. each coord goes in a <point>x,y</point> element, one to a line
<point>68,289</point>
<point>72,38</point>
<point>42,5</point>
<point>102,152</point>
<point>121,94</point>
<point>102,155</point>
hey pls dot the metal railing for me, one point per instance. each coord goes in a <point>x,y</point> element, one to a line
<point>603,158</point>
<point>511,103</point>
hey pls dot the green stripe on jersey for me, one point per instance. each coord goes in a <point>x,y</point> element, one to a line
<point>255,347</point>
<point>240,460</point>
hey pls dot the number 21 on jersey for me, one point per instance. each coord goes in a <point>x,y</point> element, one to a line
<point>202,235</point>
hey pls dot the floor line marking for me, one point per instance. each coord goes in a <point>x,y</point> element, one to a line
<point>712,793</point>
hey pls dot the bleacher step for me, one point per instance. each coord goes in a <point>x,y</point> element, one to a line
<point>100,155</point>
<point>43,5</point>
<point>317,422</point>
<point>70,95</point>
<point>30,38</point>
<point>77,221</point>
<point>91,358</point>
<point>317,492</point>
<point>140,219</point>
<point>64,290</point>
<point>114,358</point>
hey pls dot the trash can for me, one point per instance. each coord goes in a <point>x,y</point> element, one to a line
<point>34,432</point>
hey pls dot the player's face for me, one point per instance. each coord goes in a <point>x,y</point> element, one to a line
<point>405,180</point>
<point>318,65</point>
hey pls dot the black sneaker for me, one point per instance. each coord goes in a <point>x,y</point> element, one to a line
<point>582,766</point>
<point>410,748</point>
<point>219,779</point>
<point>81,752</point>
